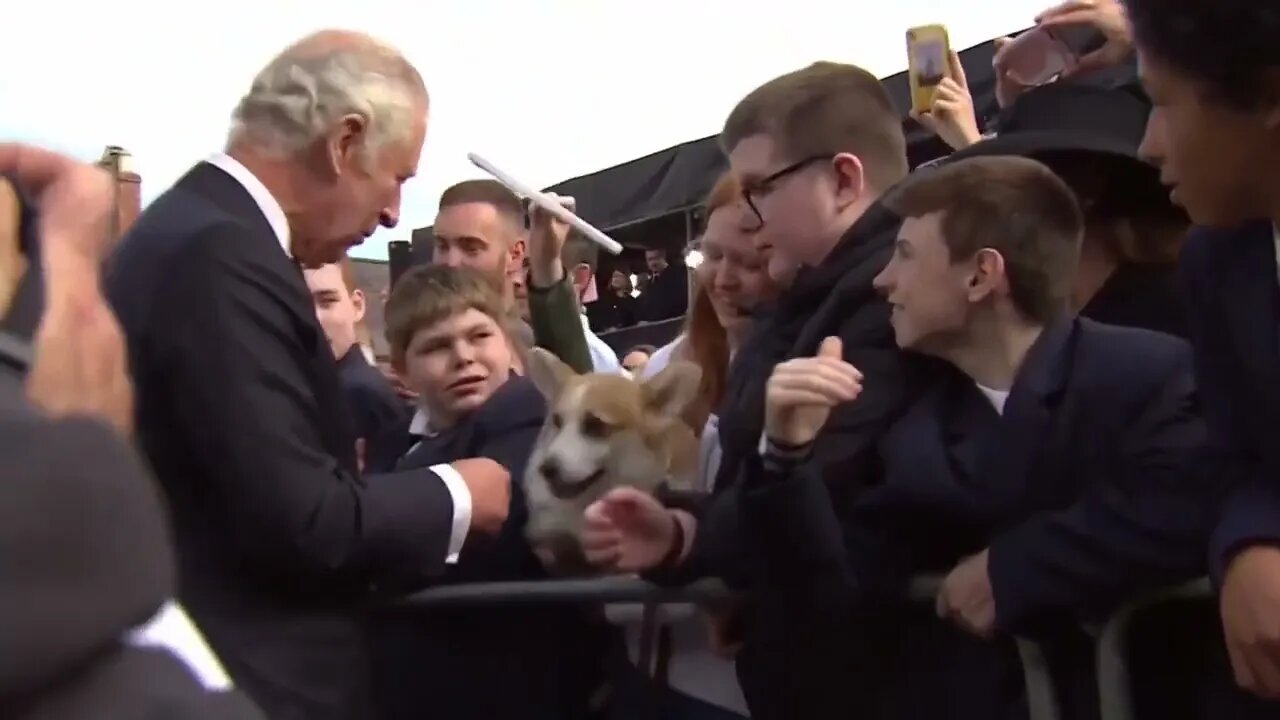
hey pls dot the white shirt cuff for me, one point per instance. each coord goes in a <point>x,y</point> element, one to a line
<point>171,629</point>
<point>461,496</point>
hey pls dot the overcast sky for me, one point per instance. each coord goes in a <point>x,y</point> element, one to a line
<point>547,89</point>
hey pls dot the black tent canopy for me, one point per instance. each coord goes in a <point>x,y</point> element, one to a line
<point>654,201</point>
<point>676,180</point>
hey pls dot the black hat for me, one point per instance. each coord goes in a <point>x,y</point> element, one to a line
<point>1067,119</point>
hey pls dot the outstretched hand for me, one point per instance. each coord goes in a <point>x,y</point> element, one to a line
<point>628,531</point>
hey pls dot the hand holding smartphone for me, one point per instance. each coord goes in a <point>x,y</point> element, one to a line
<point>1044,54</point>
<point>928,53</point>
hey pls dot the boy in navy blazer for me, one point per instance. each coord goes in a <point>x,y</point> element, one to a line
<point>1044,471</point>
<point>1212,70</point>
<point>446,327</point>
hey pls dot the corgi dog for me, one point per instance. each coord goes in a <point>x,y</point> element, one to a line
<point>602,431</point>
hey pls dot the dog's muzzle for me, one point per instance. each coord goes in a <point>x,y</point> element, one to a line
<point>563,489</point>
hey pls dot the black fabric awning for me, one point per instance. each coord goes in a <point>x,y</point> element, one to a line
<point>680,177</point>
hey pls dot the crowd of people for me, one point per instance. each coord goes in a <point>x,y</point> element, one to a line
<point>1044,370</point>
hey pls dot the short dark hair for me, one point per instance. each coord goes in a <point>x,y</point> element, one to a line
<point>429,294</point>
<point>489,192</point>
<point>825,108</point>
<point>1229,46</point>
<point>1013,205</point>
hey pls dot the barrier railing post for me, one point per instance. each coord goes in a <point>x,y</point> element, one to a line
<point>1115,689</point>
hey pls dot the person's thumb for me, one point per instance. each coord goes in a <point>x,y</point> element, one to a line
<point>832,348</point>
<point>926,120</point>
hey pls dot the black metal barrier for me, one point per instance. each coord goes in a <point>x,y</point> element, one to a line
<point>1113,669</point>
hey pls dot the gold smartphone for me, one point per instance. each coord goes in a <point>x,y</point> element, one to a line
<point>928,59</point>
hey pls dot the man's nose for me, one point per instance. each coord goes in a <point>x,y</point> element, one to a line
<point>390,215</point>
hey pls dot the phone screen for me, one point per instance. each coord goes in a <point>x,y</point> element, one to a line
<point>927,63</point>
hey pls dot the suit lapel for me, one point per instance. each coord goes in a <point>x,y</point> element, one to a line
<point>970,428</point>
<point>1026,423</point>
<point>1251,305</point>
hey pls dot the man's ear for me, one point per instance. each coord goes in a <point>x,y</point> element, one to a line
<point>988,275</point>
<point>546,371</point>
<point>851,179</point>
<point>357,300</point>
<point>515,260</point>
<point>670,392</point>
<point>345,143</point>
<point>581,275</point>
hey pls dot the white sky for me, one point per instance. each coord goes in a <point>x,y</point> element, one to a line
<point>547,89</point>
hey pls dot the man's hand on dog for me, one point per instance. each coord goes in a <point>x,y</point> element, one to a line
<point>490,486</point>
<point>627,531</point>
<point>801,393</point>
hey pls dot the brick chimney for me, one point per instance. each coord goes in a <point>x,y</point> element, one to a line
<point>119,163</point>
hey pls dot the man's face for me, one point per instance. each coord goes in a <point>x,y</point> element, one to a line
<point>456,365</point>
<point>338,309</point>
<point>797,209</point>
<point>656,260</point>
<point>476,235</point>
<point>1222,163</point>
<point>358,195</point>
<point>930,295</point>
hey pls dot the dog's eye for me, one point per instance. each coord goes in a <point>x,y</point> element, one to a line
<point>593,426</point>
<point>556,420</point>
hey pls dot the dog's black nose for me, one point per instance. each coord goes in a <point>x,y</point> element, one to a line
<point>550,469</point>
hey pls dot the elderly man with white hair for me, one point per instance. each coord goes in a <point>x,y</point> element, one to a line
<point>280,542</point>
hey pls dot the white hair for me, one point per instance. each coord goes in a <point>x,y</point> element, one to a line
<point>302,93</point>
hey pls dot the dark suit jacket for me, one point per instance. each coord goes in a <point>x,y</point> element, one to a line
<point>86,557</point>
<point>1234,317</point>
<point>375,407</point>
<point>241,415</point>
<point>495,663</point>
<point>1084,490</point>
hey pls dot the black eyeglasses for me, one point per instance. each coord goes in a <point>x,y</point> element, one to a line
<point>762,187</point>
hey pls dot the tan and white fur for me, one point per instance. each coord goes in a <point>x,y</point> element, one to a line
<point>602,431</point>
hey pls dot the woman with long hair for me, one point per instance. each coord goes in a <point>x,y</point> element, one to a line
<point>696,681</point>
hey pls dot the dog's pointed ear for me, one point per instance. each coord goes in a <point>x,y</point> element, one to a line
<point>547,372</point>
<point>670,391</point>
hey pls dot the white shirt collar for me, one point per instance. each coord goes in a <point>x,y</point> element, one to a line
<point>420,425</point>
<point>267,203</point>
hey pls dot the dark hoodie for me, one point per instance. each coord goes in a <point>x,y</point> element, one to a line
<point>794,662</point>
